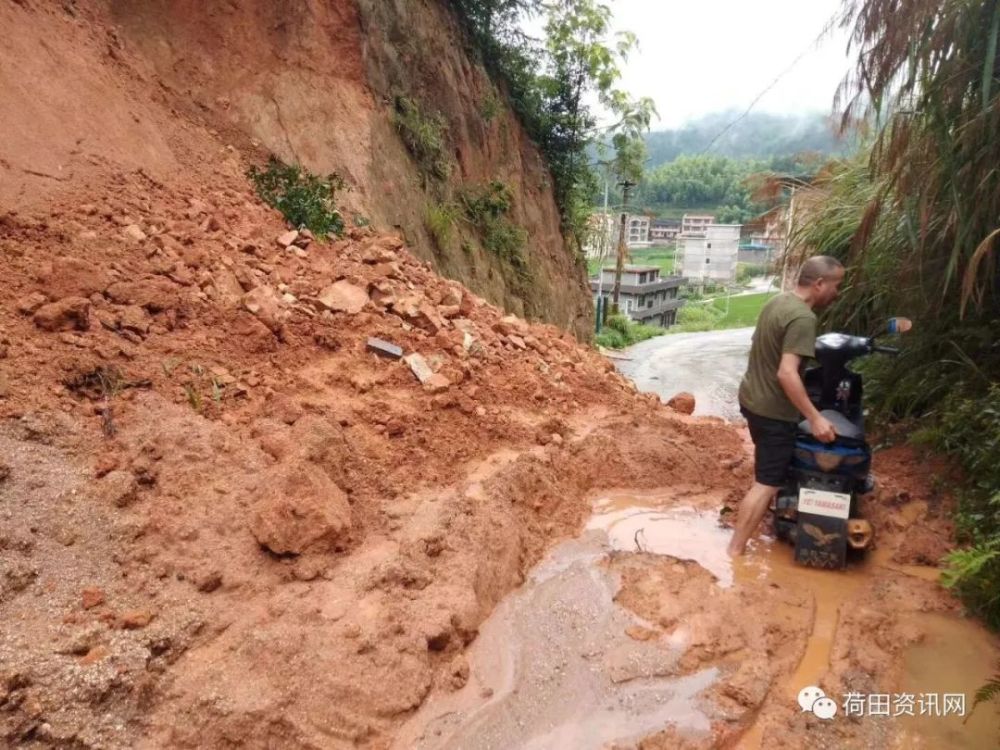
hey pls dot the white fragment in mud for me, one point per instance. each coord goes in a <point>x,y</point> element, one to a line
<point>133,232</point>
<point>419,367</point>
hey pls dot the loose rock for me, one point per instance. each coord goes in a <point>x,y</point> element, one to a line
<point>134,233</point>
<point>135,619</point>
<point>683,402</point>
<point>419,367</point>
<point>265,303</point>
<point>343,296</point>
<point>299,509</point>
<point>92,597</point>
<point>69,314</point>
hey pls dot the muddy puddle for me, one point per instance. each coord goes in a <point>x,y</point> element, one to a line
<point>553,668</point>
<point>949,660</point>
<point>560,664</point>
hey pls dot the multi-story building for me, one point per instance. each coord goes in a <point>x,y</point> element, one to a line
<point>637,230</point>
<point>696,223</point>
<point>602,236</point>
<point>645,296</point>
<point>664,230</point>
<point>605,229</point>
<point>710,256</point>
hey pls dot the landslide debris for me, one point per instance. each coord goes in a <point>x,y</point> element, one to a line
<point>226,518</point>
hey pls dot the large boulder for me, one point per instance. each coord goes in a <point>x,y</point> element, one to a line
<point>153,294</point>
<point>267,306</point>
<point>343,296</point>
<point>72,277</point>
<point>300,509</point>
<point>683,402</point>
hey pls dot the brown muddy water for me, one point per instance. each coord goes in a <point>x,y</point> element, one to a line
<point>553,666</point>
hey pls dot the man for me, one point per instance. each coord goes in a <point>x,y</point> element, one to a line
<point>772,394</point>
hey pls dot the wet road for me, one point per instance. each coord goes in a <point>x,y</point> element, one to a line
<point>554,665</point>
<point>708,365</point>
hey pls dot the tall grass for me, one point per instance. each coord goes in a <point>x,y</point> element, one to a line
<point>424,136</point>
<point>440,218</point>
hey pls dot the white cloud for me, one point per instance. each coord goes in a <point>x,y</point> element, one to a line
<point>702,56</point>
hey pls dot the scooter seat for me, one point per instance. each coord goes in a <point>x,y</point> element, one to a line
<point>841,425</point>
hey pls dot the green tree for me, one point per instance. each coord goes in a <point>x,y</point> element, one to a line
<point>551,82</point>
<point>716,182</point>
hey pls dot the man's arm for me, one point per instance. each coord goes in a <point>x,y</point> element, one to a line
<point>795,389</point>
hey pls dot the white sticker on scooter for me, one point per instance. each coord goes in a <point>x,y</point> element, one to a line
<point>822,503</point>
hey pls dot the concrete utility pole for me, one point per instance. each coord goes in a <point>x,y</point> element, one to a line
<point>626,186</point>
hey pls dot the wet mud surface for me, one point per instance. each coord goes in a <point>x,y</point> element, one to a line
<point>642,632</point>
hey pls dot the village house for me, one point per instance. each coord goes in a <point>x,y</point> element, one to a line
<point>696,223</point>
<point>645,295</point>
<point>664,230</point>
<point>711,255</point>
<point>637,231</point>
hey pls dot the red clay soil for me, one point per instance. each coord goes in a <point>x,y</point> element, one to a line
<point>226,521</point>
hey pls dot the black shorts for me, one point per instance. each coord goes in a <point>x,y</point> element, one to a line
<point>773,442</point>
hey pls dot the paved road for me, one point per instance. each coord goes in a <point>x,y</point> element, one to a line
<point>709,365</point>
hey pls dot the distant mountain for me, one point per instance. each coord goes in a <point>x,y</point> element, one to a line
<point>756,136</point>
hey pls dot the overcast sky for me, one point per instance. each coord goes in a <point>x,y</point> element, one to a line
<point>701,56</point>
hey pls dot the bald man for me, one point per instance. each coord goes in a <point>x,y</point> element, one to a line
<point>773,397</point>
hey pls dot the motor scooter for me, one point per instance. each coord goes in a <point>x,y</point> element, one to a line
<point>820,508</point>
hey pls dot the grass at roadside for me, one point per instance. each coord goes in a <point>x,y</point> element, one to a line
<point>743,310</point>
<point>619,332</point>
<point>712,316</point>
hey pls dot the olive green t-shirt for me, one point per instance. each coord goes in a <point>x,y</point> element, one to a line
<point>786,325</point>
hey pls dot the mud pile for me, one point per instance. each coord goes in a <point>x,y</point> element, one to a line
<point>231,518</point>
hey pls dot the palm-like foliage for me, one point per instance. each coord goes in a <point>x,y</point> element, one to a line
<point>988,692</point>
<point>927,74</point>
<point>916,217</point>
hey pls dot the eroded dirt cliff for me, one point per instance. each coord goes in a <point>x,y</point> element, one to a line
<point>93,85</point>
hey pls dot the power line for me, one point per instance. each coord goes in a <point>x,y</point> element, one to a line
<point>827,27</point>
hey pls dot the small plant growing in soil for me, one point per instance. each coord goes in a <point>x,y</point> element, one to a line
<point>439,218</point>
<point>423,135</point>
<point>487,208</point>
<point>304,199</point>
<point>193,397</point>
<point>490,106</point>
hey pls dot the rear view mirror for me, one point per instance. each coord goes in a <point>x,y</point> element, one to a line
<point>899,325</point>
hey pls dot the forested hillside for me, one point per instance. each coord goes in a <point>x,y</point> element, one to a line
<point>758,135</point>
